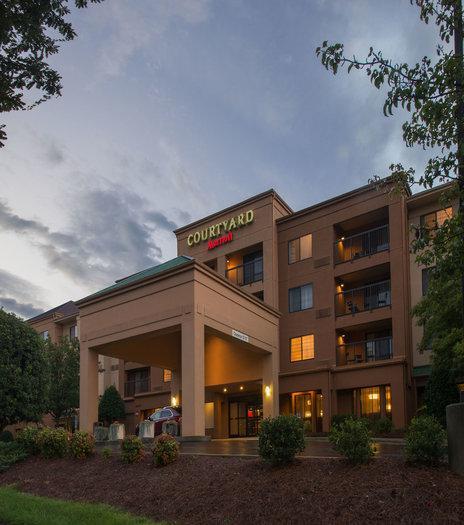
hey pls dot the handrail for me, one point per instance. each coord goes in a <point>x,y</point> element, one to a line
<point>240,278</point>
<point>369,350</point>
<point>363,298</point>
<point>362,244</point>
<point>364,232</point>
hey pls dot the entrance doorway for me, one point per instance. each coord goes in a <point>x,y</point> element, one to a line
<point>245,415</point>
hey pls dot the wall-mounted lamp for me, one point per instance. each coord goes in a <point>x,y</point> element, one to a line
<point>267,391</point>
<point>224,390</point>
<point>241,387</point>
<point>342,285</point>
<point>342,238</point>
<point>174,401</point>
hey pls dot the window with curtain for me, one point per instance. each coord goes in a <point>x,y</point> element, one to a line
<point>370,401</point>
<point>300,298</point>
<point>300,248</point>
<point>302,348</point>
<point>167,375</point>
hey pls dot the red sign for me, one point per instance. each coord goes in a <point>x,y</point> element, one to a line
<point>214,243</point>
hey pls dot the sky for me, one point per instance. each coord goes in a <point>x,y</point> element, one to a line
<point>174,109</point>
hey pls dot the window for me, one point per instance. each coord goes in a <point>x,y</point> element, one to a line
<point>388,400</point>
<point>300,298</point>
<point>44,335</point>
<point>73,332</point>
<point>302,348</point>
<point>432,221</point>
<point>426,274</point>
<point>303,406</point>
<point>167,375</point>
<point>370,402</point>
<point>299,249</point>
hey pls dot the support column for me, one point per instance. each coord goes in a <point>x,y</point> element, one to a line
<point>176,381</point>
<point>193,376</point>
<point>88,388</point>
<point>271,385</point>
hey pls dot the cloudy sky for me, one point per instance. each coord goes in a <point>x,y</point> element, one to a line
<point>172,109</point>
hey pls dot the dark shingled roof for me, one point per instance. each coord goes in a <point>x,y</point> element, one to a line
<point>64,310</point>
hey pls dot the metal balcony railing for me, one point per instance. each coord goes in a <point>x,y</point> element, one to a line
<point>362,244</point>
<point>247,273</point>
<point>140,386</point>
<point>364,298</point>
<point>365,351</point>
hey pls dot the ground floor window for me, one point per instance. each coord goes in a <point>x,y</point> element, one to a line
<point>308,406</point>
<point>370,402</point>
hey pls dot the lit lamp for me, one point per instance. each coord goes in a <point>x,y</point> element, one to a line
<point>241,387</point>
<point>174,401</point>
<point>267,391</point>
<point>224,390</point>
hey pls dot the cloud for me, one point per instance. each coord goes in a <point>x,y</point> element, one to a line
<point>19,295</point>
<point>160,220</point>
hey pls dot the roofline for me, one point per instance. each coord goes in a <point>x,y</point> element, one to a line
<point>333,200</point>
<point>270,192</point>
<point>189,265</point>
<point>425,193</point>
<point>49,313</point>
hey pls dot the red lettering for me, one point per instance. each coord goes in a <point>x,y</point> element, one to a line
<point>222,240</point>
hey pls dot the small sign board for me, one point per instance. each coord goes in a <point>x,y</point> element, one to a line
<point>241,336</point>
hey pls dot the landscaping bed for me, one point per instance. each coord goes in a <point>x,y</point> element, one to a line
<point>216,490</point>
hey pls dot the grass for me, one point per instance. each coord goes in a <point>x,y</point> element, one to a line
<point>17,508</point>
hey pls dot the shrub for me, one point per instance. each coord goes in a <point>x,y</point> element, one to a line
<point>6,436</point>
<point>53,442</point>
<point>280,439</point>
<point>340,418</point>
<point>383,425</point>
<point>106,453</point>
<point>28,439</point>
<point>132,449</point>
<point>165,451</point>
<point>82,445</point>
<point>10,453</point>
<point>425,441</point>
<point>111,406</point>
<point>353,439</point>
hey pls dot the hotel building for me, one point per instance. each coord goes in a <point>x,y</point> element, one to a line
<point>264,311</point>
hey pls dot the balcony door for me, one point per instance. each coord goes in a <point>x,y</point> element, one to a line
<point>252,267</point>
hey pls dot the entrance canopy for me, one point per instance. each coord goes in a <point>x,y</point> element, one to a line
<point>183,316</point>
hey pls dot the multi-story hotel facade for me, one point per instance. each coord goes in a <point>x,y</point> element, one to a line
<point>265,311</point>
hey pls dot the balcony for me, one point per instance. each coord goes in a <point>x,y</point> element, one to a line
<point>362,244</point>
<point>140,386</point>
<point>248,273</point>
<point>363,298</point>
<point>365,351</point>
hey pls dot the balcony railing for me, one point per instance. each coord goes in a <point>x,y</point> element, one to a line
<point>365,351</point>
<point>362,244</point>
<point>364,298</point>
<point>140,386</point>
<point>247,273</point>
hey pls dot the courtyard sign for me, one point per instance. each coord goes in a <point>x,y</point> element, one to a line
<point>240,335</point>
<point>221,232</point>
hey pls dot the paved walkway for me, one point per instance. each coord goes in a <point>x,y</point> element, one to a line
<point>315,448</point>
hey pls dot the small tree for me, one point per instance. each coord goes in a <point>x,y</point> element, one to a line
<point>280,438</point>
<point>63,369</point>
<point>23,377</point>
<point>111,406</point>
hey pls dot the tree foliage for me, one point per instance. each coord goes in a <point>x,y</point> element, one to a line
<point>23,368</point>
<point>111,406</point>
<point>30,32</point>
<point>63,369</point>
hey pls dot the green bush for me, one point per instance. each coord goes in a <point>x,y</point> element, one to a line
<point>353,439</point>
<point>383,425</point>
<point>132,449</point>
<point>111,407</point>
<point>82,445</point>
<point>53,442</point>
<point>425,441</point>
<point>340,418</point>
<point>106,453</point>
<point>10,453</point>
<point>6,436</point>
<point>28,438</point>
<point>165,451</point>
<point>280,439</point>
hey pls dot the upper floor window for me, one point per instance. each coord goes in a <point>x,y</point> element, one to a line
<point>426,273</point>
<point>73,332</point>
<point>302,348</point>
<point>432,221</point>
<point>300,298</point>
<point>44,335</point>
<point>167,375</point>
<point>299,249</point>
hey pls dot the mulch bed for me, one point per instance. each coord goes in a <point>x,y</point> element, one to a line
<point>215,490</point>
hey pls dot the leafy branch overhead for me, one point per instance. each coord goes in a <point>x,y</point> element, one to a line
<point>30,32</point>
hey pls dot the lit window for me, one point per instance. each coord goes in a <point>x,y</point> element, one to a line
<point>436,219</point>
<point>167,375</point>
<point>44,335</point>
<point>300,298</point>
<point>299,249</point>
<point>302,348</point>
<point>370,401</point>
<point>73,332</point>
<point>388,400</point>
<point>302,406</point>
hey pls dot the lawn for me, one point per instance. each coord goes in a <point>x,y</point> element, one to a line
<point>17,508</point>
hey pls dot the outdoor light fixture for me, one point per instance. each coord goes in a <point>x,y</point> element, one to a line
<point>241,387</point>
<point>224,390</point>
<point>174,401</point>
<point>341,285</point>
<point>342,238</point>
<point>267,391</point>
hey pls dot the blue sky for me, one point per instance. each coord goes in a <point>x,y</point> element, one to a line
<point>173,109</point>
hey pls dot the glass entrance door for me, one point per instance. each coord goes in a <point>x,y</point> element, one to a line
<point>244,418</point>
